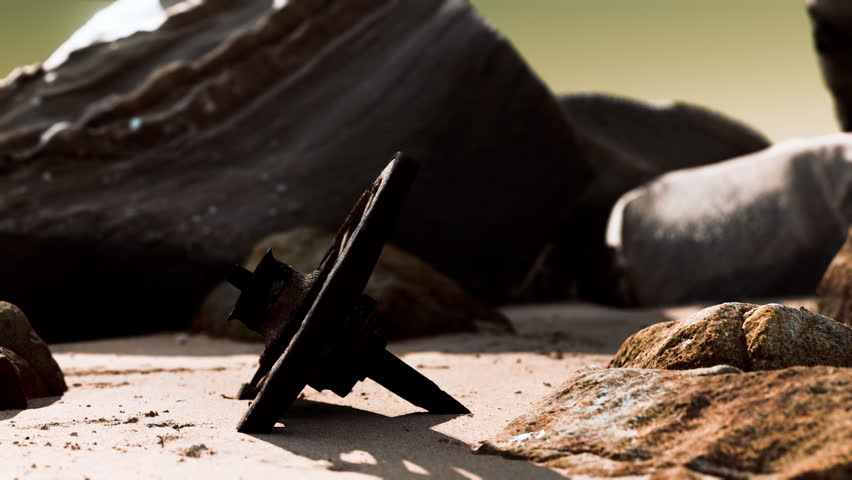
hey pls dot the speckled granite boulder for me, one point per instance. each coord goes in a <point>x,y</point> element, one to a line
<point>834,293</point>
<point>695,424</point>
<point>416,299</point>
<point>749,337</point>
<point>27,368</point>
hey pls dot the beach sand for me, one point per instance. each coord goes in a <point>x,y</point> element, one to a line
<point>161,406</point>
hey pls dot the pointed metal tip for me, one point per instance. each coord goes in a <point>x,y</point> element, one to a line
<point>247,392</point>
<point>444,404</point>
<point>239,277</point>
<point>268,255</point>
<point>234,315</point>
<point>388,370</point>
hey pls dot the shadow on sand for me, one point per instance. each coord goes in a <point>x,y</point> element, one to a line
<point>31,404</point>
<point>578,328</point>
<point>404,447</point>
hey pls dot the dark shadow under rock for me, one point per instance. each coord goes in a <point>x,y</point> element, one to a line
<point>784,424</point>
<point>763,225</point>
<point>834,293</point>
<point>140,201</point>
<point>413,298</point>
<point>627,143</point>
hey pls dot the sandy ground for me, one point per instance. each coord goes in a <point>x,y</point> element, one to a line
<point>160,406</point>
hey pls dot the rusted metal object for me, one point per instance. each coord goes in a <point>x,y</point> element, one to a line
<point>320,329</point>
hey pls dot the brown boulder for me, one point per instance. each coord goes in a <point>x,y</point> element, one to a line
<point>151,164</point>
<point>749,337</point>
<point>834,293</point>
<point>784,424</point>
<point>415,298</point>
<point>27,368</point>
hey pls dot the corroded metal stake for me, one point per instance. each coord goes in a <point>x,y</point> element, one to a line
<point>320,329</point>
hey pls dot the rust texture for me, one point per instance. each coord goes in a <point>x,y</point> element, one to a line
<point>325,333</point>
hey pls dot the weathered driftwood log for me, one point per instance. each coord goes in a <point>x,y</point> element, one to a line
<point>766,224</point>
<point>627,143</point>
<point>832,30</point>
<point>128,189</point>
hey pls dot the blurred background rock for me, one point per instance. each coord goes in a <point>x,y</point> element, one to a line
<point>751,60</point>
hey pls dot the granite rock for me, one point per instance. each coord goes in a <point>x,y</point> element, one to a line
<point>694,424</point>
<point>746,336</point>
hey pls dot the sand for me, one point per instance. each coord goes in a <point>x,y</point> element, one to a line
<point>161,406</point>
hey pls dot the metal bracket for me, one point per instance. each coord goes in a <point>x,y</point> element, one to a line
<point>320,329</point>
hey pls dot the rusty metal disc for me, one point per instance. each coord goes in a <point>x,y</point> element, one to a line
<point>341,279</point>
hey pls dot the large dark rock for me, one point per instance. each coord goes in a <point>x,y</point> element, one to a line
<point>762,225</point>
<point>834,292</point>
<point>627,143</point>
<point>216,131</point>
<point>36,97</point>
<point>832,30</point>
<point>694,424</point>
